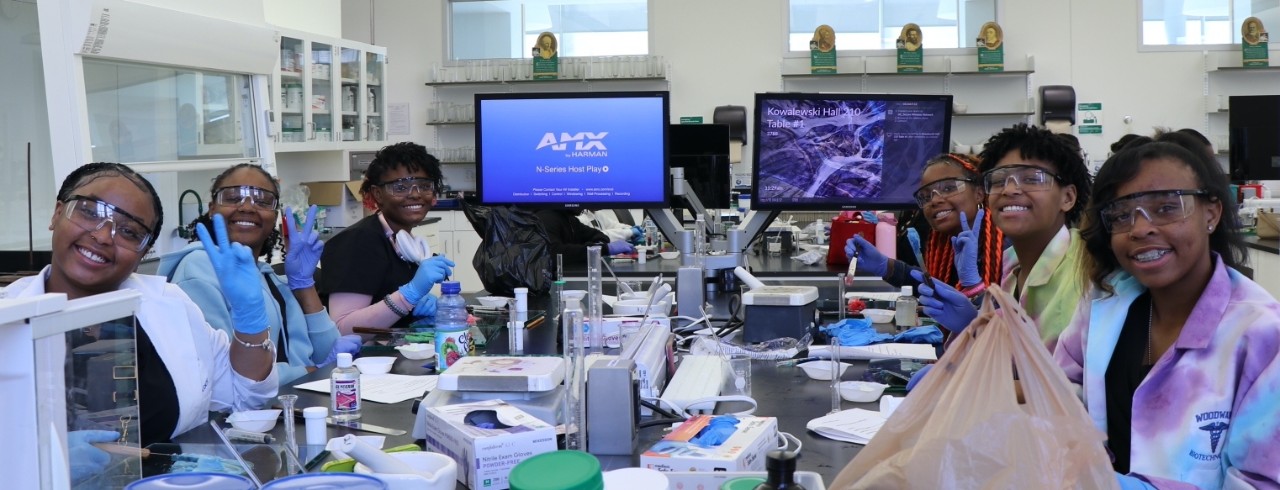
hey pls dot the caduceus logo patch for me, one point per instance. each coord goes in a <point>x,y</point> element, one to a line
<point>1214,423</point>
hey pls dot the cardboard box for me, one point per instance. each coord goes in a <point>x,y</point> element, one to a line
<point>486,456</point>
<point>743,451</point>
<point>340,201</point>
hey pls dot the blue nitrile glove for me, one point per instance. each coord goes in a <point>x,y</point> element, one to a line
<point>426,307</point>
<point>349,344</point>
<point>238,277</point>
<point>1132,483</point>
<point>637,232</point>
<point>966,246</point>
<point>304,251</point>
<point>854,332</point>
<point>919,375</point>
<point>716,432</point>
<point>949,307</point>
<point>927,334</point>
<point>620,247</point>
<point>430,272</point>
<point>870,260</point>
<point>85,459</point>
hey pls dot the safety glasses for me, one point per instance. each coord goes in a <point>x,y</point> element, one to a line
<point>940,188</point>
<point>1023,177</point>
<point>127,231</point>
<point>257,197</point>
<point>1158,207</point>
<point>406,186</point>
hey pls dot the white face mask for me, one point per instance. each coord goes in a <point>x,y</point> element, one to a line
<point>412,248</point>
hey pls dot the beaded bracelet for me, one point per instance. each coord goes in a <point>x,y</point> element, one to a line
<point>392,304</point>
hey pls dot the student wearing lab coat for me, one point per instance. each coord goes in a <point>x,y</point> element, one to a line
<point>106,218</point>
<point>1176,352</point>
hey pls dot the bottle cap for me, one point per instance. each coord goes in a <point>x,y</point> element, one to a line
<point>558,470</point>
<point>315,412</point>
<point>450,287</point>
<point>780,461</point>
<point>344,360</point>
<point>906,290</point>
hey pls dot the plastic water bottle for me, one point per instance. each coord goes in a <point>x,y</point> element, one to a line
<point>905,316</point>
<point>344,390</point>
<point>651,238</point>
<point>453,337</point>
<point>886,235</point>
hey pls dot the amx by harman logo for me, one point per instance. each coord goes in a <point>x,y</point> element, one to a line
<point>585,144</point>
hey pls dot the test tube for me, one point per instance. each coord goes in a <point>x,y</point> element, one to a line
<point>840,299</point>
<point>290,437</point>
<point>575,409</point>
<point>515,328</point>
<point>835,374</point>
<point>595,298</point>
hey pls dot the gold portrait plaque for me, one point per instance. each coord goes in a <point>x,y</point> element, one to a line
<point>991,36</point>
<point>910,39</point>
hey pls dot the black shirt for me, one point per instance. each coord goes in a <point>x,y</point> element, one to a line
<point>570,237</point>
<point>1126,371</point>
<point>158,399</point>
<point>361,260</point>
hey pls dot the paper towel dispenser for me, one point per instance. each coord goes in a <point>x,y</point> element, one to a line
<point>1057,103</point>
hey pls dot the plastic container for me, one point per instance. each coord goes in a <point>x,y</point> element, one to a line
<point>192,481</point>
<point>453,337</point>
<point>345,481</point>
<point>375,365</point>
<point>344,390</point>
<point>821,370</point>
<point>886,235</point>
<point>861,391</point>
<point>559,470</point>
<point>254,420</point>
<point>905,315</point>
<point>317,432</point>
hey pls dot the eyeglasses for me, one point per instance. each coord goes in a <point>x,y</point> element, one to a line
<point>127,231</point>
<point>1159,207</point>
<point>1025,178</point>
<point>237,195</point>
<point>940,188</point>
<point>406,186</point>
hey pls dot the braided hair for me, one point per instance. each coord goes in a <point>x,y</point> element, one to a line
<point>89,172</point>
<point>409,155</point>
<point>940,256</point>
<point>273,239</point>
<point>1036,143</point>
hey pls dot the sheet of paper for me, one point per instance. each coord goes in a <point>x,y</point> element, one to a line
<point>890,351</point>
<point>397,118</point>
<point>383,388</point>
<point>854,425</point>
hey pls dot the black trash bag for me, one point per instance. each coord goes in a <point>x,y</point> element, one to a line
<point>513,252</point>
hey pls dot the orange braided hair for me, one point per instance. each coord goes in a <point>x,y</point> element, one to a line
<point>940,256</point>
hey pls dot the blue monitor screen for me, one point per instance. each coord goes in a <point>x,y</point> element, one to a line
<point>845,151</point>
<point>590,150</point>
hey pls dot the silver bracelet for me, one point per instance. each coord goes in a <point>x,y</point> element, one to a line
<point>267,345</point>
<point>392,305</point>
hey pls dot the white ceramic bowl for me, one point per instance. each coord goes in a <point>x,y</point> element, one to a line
<point>443,471</point>
<point>254,420</point>
<point>669,255</point>
<point>821,369</point>
<point>637,306</point>
<point>375,365</point>
<point>878,316</point>
<point>417,352</point>
<point>861,391</point>
<point>493,301</point>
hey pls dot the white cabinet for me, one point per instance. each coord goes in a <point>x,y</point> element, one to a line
<point>1264,265</point>
<point>454,238</point>
<point>1223,77</point>
<point>992,100</point>
<point>328,94</point>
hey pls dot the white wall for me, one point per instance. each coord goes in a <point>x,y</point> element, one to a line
<point>322,17</point>
<point>23,120</point>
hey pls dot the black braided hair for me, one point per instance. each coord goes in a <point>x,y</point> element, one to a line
<point>1036,143</point>
<point>89,172</point>
<point>273,239</point>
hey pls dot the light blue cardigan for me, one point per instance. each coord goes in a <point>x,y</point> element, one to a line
<point>311,337</point>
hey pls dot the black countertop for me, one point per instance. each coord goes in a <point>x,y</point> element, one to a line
<point>1269,245</point>
<point>764,266</point>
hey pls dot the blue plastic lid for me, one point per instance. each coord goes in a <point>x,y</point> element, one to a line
<point>192,481</point>
<point>326,481</point>
<point>450,287</point>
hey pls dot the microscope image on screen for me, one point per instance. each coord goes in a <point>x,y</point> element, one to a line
<point>822,148</point>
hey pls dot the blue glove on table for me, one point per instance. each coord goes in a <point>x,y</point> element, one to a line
<point>303,256</point>
<point>426,307</point>
<point>637,233</point>
<point>349,344</point>
<point>949,307</point>
<point>870,260</point>
<point>238,277</point>
<point>85,459</point>
<point>620,247</point>
<point>854,332</point>
<point>919,375</point>
<point>1131,483</point>
<point>966,247</point>
<point>430,272</point>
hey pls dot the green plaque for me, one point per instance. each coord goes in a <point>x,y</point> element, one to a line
<point>546,57</point>
<point>910,46</point>
<point>822,51</point>
<point>991,48</point>
<point>690,119</point>
<point>1091,129</point>
<point>1253,44</point>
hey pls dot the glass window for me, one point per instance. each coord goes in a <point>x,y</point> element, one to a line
<point>483,29</point>
<point>148,113</point>
<point>1197,22</point>
<point>875,24</point>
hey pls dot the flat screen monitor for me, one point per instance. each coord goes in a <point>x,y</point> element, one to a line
<point>845,151</point>
<point>702,150</point>
<point>572,150</point>
<point>1254,125</point>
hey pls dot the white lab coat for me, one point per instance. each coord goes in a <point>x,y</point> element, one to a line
<point>607,222</point>
<point>197,355</point>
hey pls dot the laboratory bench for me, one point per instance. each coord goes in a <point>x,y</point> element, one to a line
<point>782,392</point>
<point>766,267</point>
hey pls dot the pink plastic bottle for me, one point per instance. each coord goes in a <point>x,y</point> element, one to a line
<point>886,235</point>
